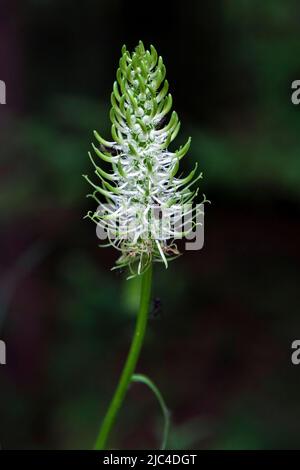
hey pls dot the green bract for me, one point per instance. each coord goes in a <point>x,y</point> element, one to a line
<point>136,171</point>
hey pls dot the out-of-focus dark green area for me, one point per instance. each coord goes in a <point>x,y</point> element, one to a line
<point>220,347</point>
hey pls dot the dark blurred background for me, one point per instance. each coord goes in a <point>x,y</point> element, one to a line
<point>220,345</point>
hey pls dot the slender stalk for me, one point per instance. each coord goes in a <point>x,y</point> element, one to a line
<point>166,414</point>
<point>130,364</point>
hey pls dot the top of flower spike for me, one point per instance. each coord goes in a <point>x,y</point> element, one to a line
<point>143,171</point>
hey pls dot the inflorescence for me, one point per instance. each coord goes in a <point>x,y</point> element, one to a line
<point>142,178</point>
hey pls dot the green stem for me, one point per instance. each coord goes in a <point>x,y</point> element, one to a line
<point>145,380</point>
<point>130,363</point>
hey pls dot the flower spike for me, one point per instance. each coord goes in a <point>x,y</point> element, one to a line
<point>143,169</point>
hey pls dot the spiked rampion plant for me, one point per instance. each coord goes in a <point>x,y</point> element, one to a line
<point>142,175</point>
